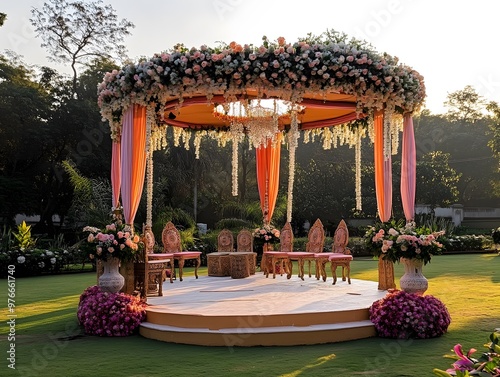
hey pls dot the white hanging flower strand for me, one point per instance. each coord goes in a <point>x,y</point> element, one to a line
<point>293,137</point>
<point>150,121</point>
<point>387,135</point>
<point>236,130</point>
<point>359,205</point>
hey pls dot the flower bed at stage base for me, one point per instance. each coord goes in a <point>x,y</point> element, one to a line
<point>110,314</point>
<point>402,315</point>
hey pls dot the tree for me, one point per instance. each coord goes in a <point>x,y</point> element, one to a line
<point>24,112</point>
<point>3,17</point>
<point>76,32</point>
<point>465,105</point>
<point>494,130</point>
<point>437,181</point>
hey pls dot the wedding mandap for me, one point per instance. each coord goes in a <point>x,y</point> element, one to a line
<point>327,87</point>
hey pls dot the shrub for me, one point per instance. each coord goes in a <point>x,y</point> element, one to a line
<point>32,262</point>
<point>464,243</point>
<point>110,314</point>
<point>402,315</point>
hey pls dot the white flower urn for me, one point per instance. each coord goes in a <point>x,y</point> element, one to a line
<point>111,280</point>
<point>413,281</point>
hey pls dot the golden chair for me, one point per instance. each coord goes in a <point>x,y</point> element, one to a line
<point>314,245</point>
<point>341,254</point>
<point>271,260</point>
<point>149,273</point>
<point>172,244</point>
<point>286,242</point>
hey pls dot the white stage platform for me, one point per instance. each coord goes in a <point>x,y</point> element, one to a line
<point>260,311</point>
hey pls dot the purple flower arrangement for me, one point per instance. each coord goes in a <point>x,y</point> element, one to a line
<point>110,314</point>
<point>402,315</point>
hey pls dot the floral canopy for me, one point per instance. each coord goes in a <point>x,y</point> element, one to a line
<point>326,83</point>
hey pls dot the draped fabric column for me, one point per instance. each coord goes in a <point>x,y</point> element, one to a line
<point>116,171</point>
<point>383,189</point>
<point>408,168</point>
<point>133,156</point>
<point>383,171</point>
<point>268,168</point>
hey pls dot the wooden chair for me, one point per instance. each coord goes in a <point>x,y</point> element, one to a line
<point>244,244</point>
<point>341,254</point>
<point>286,244</point>
<point>218,263</point>
<point>172,244</point>
<point>314,245</point>
<point>271,260</point>
<point>149,273</point>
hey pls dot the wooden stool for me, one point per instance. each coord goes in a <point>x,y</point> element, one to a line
<point>218,264</point>
<point>240,267</point>
<point>252,260</point>
<point>343,260</point>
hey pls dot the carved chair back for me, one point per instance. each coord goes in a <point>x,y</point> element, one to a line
<point>244,241</point>
<point>286,238</point>
<point>171,239</point>
<point>148,238</point>
<point>225,241</point>
<point>316,238</point>
<point>341,239</point>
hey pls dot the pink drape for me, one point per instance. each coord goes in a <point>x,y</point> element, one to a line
<point>268,169</point>
<point>133,156</point>
<point>408,168</point>
<point>116,172</point>
<point>383,171</point>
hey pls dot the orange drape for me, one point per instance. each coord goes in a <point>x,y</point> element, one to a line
<point>268,170</point>
<point>383,171</point>
<point>133,155</point>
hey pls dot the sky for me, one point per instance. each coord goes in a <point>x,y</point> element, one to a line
<point>451,43</point>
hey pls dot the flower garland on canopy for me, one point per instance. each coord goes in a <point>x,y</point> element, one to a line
<point>327,65</point>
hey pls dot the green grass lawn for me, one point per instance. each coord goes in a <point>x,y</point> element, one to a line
<point>49,341</point>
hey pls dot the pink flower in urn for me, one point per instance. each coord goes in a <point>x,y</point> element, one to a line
<point>281,41</point>
<point>90,238</point>
<point>393,232</point>
<point>122,246</point>
<point>111,227</point>
<point>111,249</point>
